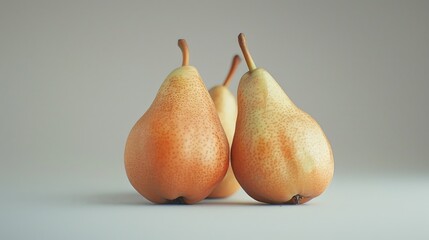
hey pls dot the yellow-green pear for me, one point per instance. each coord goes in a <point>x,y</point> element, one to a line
<point>280,154</point>
<point>226,107</point>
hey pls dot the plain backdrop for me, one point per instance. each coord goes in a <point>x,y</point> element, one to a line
<point>76,75</point>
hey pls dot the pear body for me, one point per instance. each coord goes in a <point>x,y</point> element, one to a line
<point>280,154</point>
<point>226,107</point>
<point>177,151</point>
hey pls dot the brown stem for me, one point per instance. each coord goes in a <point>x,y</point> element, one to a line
<point>234,65</point>
<point>242,41</point>
<point>185,51</point>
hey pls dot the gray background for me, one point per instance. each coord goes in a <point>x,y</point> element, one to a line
<point>76,75</point>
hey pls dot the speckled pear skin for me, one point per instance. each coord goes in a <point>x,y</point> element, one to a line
<point>226,107</point>
<point>280,154</point>
<point>178,151</point>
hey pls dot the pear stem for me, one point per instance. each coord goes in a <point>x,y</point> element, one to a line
<point>234,65</point>
<point>242,41</point>
<point>185,51</point>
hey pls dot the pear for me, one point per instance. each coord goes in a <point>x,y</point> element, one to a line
<point>279,153</point>
<point>226,107</point>
<point>177,152</point>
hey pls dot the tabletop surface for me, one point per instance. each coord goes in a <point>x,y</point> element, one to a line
<point>60,206</point>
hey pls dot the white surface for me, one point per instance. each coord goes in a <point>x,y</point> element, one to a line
<point>86,208</point>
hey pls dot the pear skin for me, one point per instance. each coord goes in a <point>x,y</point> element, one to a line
<point>226,107</point>
<point>177,152</point>
<point>279,154</point>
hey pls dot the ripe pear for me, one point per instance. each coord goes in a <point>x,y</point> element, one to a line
<point>280,154</point>
<point>226,107</point>
<point>178,152</point>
